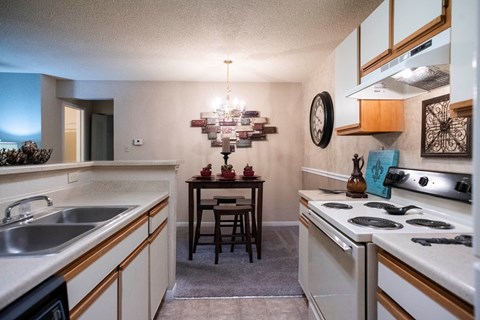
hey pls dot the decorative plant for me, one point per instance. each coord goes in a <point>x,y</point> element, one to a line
<point>248,168</point>
<point>207,168</point>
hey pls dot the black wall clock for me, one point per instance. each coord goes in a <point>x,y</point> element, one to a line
<point>321,119</point>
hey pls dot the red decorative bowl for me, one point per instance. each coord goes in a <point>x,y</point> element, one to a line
<point>248,173</point>
<point>228,174</point>
<point>205,173</point>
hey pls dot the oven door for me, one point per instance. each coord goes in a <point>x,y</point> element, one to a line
<point>336,273</point>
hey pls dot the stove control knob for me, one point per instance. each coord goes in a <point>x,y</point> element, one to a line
<point>463,187</point>
<point>423,181</point>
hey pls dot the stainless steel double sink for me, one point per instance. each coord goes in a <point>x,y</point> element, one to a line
<point>53,231</point>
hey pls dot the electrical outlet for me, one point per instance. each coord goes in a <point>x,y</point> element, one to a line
<point>137,142</point>
<point>72,177</point>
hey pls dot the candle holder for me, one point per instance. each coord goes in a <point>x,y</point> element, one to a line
<point>225,156</point>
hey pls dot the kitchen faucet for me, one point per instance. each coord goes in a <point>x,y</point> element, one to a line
<point>9,219</point>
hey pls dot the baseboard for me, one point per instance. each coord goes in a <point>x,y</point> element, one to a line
<point>264,223</point>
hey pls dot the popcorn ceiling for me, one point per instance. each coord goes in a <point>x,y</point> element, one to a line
<point>268,40</point>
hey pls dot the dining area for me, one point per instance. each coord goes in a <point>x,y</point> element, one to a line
<point>242,215</point>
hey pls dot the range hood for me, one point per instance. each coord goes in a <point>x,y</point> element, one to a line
<point>417,71</point>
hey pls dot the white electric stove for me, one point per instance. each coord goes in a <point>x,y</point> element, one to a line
<point>342,258</point>
<point>422,220</point>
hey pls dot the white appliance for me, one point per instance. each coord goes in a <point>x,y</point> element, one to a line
<point>417,71</point>
<point>342,258</point>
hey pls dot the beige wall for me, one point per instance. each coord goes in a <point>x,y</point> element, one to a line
<point>160,114</point>
<point>337,156</point>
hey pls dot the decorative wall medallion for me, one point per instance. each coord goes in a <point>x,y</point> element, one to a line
<point>443,136</point>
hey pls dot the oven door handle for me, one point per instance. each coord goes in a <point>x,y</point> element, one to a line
<point>345,247</point>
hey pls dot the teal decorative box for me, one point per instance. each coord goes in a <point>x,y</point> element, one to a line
<point>377,167</point>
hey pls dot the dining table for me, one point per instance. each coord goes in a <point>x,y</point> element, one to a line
<point>199,183</point>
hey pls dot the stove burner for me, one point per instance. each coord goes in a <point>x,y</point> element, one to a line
<point>378,205</point>
<point>337,205</point>
<point>464,239</point>
<point>434,224</point>
<point>378,223</point>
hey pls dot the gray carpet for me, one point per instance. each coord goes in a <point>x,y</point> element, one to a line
<point>275,274</point>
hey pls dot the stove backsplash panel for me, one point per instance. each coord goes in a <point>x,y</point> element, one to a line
<point>447,185</point>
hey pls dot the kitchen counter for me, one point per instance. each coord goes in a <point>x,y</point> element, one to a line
<point>20,274</point>
<point>451,266</point>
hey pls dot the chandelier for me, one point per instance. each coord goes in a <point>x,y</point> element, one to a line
<point>228,109</point>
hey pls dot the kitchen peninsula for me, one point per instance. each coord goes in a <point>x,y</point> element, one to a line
<point>150,186</point>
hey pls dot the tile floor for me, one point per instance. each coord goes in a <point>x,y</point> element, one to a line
<point>294,308</point>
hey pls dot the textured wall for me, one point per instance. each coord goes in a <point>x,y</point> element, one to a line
<point>337,156</point>
<point>160,114</point>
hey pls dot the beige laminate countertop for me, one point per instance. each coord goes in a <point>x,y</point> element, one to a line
<point>451,266</point>
<point>20,274</point>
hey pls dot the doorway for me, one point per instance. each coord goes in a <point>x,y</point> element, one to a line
<point>73,135</point>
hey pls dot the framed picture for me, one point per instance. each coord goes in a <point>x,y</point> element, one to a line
<point>443,136</point>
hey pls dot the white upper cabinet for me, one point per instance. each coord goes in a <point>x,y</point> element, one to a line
<point>413,17</point>
<point>374,35</point>
<point>346,77</point>
<point>463,43</point>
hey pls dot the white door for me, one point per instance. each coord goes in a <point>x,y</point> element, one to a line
<point>73,138</point>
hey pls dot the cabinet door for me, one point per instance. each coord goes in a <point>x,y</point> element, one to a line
<point>134,293</point>
<point>101,303</point>
<point>346,77</point>
<point>414,17</point>
<point>375,36</point>
<point>158,267</point>
<point>303,247</point>
<point>463,40</point>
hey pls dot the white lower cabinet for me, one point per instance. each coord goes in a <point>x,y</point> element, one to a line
<point>158,267</point>
<point>303,246</point>
<point>134,285</point>
<point>124,277</point>
<point>404,293</point>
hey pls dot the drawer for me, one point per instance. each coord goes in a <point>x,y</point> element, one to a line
<point>416,294</point>
<point>157,215</point>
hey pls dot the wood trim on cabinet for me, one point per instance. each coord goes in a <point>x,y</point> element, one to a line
<point>157,232</point>
<point>303,220</point>
<point>423,30</point>
<point>154,211</point>
<point>462,108</point>
<point>392,307</point>
<point>442,296</point>
<point>348,129</point>
<point>124,264</point>
<point>444,22</point>
<point>304,202</point>
<point>375,62</point>
<point>80,264</point>
<point>93,295</point>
